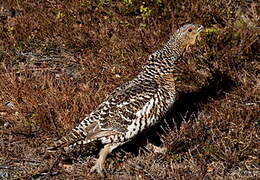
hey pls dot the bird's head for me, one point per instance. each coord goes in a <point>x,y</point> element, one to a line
<point>187,35</point>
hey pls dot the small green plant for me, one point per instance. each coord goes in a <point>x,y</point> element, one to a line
<point>145,11</point>
<point>59,14</point>
<point>128,2</point>
<point>158,1</point>
<point>10,29</point>
<point>142,25</point>
<point>211,30</point>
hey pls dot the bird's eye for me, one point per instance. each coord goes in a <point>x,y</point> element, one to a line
<point>190,30</point>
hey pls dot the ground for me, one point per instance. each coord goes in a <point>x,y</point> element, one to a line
<point>60,59</point>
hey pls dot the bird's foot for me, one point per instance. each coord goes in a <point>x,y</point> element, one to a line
<point>100,162</point>
<point>98,167</point>
<point>156,149</point>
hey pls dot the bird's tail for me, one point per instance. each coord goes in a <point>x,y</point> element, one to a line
<point>66,141</point>
<point>82,134</point>
<point>78,135</point>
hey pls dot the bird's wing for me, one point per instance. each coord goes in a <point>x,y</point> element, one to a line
<point>122,108</point>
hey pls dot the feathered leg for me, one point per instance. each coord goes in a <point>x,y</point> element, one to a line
<point>100,162</point>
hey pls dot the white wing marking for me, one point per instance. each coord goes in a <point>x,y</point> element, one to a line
<point>133,128</point>
<point>146,109</point>
<point>122,104</point>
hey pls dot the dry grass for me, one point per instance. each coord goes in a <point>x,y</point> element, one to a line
<point>59,60</point>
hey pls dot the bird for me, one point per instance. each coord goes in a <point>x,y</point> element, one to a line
<point>136,105</point>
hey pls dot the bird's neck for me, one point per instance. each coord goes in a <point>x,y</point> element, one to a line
<point>162,62</point>
<point>172,49</point>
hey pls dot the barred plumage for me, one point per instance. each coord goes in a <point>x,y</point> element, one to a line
<point>136,105</point>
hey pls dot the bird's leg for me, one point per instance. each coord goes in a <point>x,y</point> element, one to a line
<point>100,162</point>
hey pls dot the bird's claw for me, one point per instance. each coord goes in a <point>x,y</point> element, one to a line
<point>97,168</point>
<point>156,149</point>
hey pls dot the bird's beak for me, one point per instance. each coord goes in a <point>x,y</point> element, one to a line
<point>200,29</point>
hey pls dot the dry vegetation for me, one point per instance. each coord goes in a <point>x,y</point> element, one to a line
<point>60,59</point>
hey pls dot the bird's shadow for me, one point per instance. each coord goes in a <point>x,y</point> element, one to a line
<point>184,109</point>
